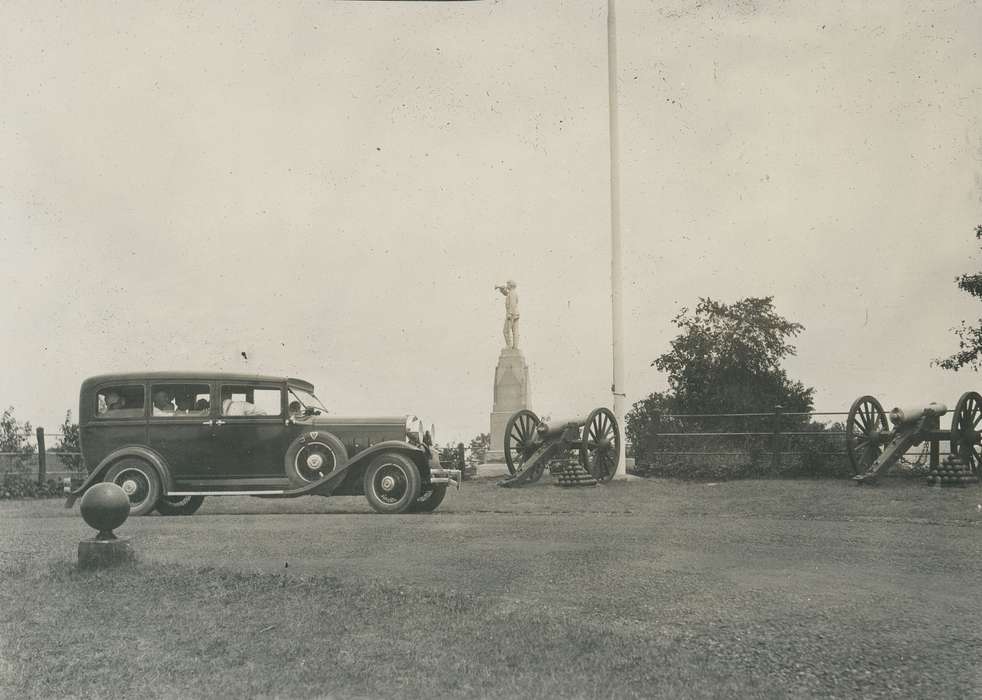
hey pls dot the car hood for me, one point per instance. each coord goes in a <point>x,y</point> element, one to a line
<point>353,421</point>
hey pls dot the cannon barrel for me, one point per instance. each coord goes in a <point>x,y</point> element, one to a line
<point>910,414</point>
<point>554,428</point>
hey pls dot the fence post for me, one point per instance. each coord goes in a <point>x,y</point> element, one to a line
<point>42,465</point>
<point>461,461</point>
<point>645,452</point>
<point>776,440</point>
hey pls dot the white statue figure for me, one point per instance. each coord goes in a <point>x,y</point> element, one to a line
<point>511,313</point>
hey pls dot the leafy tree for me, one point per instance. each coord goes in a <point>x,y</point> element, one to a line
<point>969,337</point>
<point>478,448</point>
<point>15,440</point>
<point>726,359</point>
<point>70,442</point>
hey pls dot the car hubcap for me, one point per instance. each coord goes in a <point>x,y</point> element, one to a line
<point>390,484</point>
<point>135,484</point>
<point>315,461</point>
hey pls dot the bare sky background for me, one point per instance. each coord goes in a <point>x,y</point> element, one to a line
<point>336,187</point>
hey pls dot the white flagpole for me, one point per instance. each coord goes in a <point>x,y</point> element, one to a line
<point>617,388</point>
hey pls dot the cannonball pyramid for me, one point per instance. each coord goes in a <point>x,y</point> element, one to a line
<point>569,472</point>
<point>953,471</point>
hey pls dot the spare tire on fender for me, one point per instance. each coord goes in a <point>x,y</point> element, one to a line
<point>312,456</point>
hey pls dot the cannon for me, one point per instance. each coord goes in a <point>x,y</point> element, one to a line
<point>873,447</point>
<point>531,443</point>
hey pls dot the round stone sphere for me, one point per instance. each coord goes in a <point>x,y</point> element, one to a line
<point>105,506</point>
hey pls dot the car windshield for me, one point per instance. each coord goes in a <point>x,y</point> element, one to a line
<point>306,399</point>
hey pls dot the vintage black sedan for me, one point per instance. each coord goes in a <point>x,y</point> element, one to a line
<point>171,438</point>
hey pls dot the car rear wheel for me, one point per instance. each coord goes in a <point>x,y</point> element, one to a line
<point>313,456</point>
<point>139,481</point>
<point>392,483</point>
<point>179,505</point>
<point>429,499</point>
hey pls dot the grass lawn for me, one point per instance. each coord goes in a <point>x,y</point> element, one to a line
<point>746,589</point>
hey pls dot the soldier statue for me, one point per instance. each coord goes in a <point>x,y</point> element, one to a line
<point>511,313</point>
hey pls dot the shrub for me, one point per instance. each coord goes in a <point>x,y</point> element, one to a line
<point>70,442</point>
<point>23,486</point>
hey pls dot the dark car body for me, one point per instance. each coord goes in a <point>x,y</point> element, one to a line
<point>209,434</point>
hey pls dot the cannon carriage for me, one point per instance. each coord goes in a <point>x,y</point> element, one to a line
<point>531,443</point>
<point>873,447</point>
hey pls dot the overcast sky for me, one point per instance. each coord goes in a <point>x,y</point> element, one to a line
<point>336,187</point>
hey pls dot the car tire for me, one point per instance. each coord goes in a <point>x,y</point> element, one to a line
<point>392,483</point>
<point>312,456</point>
<point>429,499</point>
<point>179,505</point>
<point>139,480</point>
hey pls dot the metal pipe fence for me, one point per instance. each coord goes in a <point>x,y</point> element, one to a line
<point>779,439</point>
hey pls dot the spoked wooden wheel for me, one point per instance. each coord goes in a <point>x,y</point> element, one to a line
<point>601,445</point>
<point>965,430</point>
<point>865,427</point>
<point>521,439</point>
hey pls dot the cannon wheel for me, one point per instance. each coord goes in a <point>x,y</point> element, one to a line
<point>965,427</point>
<point>601,444</point>
<point>520,440</point>
<point>864,426</point>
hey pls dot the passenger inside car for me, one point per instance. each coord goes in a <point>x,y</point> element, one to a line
<point>163,403</point>
<point>114,402</point>
<point>120,402</point>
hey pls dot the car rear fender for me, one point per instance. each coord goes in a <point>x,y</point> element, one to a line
<point>138,451</point>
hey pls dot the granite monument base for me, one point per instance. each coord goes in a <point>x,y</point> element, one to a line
<point>103,554</point>
<point>511,394</point>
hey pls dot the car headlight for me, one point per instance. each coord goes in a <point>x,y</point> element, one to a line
<point>414,429</point>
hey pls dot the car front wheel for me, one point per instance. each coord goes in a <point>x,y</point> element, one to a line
<point>392,483</point>
<point>429,499</point>
<point>139,481</point>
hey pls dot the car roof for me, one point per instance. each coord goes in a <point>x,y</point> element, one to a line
<point>189,376</point>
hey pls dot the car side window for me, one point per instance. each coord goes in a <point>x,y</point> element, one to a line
<point>122,401</point>
<point>245,400</point>
<point>180,400</point>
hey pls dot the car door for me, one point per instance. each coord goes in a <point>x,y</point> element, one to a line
<point>251,430</point>
<point>181,426</point>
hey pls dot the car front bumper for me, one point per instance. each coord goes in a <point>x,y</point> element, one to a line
<point>439,475</point>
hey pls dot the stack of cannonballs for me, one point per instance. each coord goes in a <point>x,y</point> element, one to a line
<point>953,471</point>
<point>569,472</point>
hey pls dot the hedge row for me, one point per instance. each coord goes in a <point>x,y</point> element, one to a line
<point>23,486</point>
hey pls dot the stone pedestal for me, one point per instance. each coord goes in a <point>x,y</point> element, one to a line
<point>101,554</point>
<point>512,392</point>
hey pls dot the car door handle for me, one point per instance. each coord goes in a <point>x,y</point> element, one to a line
<point>207,422</point>
<point>219,422</point>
